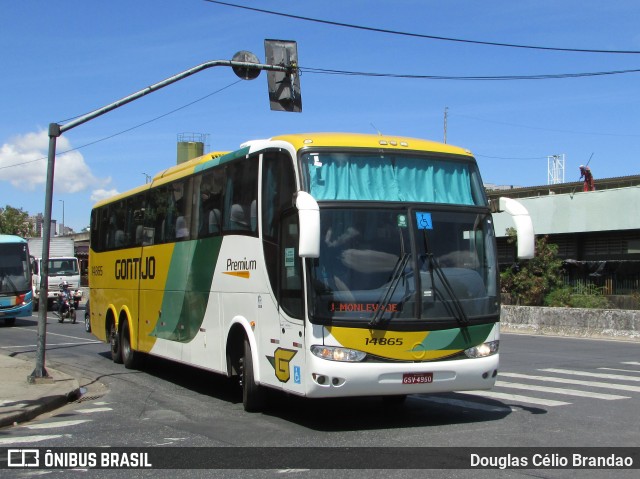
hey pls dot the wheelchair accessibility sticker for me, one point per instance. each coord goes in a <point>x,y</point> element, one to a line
<point>424,221</point>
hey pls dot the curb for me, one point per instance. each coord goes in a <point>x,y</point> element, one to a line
<point>51,403</point>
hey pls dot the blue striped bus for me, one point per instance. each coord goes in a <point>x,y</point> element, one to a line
<point>15,279</point>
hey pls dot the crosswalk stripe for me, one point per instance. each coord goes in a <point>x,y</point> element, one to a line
<point>591,375</point>
<point>620,370</point>
<point>632,363</point>
<point>95,409</point>
<point>517,398</point>
<point>621,387</point>
<point>568,392</point>
<point>462,403</point>
<point>51,425</point>
<point>79,343</point>
<point>5,441</point>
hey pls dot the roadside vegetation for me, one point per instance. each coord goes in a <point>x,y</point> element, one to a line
<point>15,221</point>
<point>539,282</point>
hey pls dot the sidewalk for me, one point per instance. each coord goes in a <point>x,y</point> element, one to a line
<point>21,401</point>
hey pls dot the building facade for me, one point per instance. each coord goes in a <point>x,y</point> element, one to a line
<point>597,232</point>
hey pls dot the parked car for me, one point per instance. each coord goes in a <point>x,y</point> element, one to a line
<point>87,318</point>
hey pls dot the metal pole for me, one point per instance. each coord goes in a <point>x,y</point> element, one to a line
<point>40,374</point>
<point>63,230</point>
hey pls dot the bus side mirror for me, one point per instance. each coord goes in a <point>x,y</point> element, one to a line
<point>309,218</point>
<point>522,220</point>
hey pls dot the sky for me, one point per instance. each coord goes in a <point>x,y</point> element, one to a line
<point>66,58</point>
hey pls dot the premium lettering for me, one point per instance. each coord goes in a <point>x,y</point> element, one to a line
<point>242,265</point>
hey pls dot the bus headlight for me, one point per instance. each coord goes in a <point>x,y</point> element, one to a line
<point>336,353</point>
<point>483,350</point>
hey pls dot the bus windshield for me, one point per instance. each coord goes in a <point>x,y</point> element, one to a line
<point>15,274</point>
<point>404,264</point>
<point>391,176</point>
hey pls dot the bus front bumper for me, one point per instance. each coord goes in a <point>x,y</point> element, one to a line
<point>341,379</point>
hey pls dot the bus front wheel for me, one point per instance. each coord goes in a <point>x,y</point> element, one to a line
<point>252,393</point>
<point>130,358</point>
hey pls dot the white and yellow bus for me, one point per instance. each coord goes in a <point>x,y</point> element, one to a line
<point>323,265</point>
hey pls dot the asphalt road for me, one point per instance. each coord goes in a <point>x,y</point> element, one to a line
<point>552,392</point>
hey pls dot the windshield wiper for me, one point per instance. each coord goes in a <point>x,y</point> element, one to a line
<point>434,266</point>
<point>398,271</point>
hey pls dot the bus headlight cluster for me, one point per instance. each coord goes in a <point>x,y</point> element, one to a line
<point>335,353</point>
<point>483,350</point>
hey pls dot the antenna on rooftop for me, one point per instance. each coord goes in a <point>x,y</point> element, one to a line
<point>375,128</point>
<point>555,169</point>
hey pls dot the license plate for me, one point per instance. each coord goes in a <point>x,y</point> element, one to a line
<point>417,378</point>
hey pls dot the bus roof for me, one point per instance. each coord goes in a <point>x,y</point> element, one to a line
<point>360,140</point>
<point>298,141</point>
<point>11,239</point>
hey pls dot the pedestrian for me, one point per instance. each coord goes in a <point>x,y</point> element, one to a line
<point>589,184</point>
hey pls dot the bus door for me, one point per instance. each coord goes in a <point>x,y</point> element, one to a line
<point>290,360</point>
<point>283,307</point>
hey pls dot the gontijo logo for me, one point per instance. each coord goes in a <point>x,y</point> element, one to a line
<point>241,268</point>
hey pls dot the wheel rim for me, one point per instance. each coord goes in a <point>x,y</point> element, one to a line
<point>113,338</point>
<point>126,347</point>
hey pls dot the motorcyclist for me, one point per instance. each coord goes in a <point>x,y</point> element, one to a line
<point>65,295</point>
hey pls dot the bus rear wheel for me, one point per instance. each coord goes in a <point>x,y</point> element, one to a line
<point>252,393</point>
<point>114,340</point>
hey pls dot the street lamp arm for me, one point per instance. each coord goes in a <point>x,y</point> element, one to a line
<point>53,131</point>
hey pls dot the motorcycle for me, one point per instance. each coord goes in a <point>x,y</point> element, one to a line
<point>65,311</point>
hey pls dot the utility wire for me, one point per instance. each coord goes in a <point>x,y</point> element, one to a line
<point>128,129</point>
<point>468,78</point>
<point>419,35</point>
<point>510,158</point>
<point>573,132</point>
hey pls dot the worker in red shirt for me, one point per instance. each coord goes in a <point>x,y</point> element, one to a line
<point>589,184</point>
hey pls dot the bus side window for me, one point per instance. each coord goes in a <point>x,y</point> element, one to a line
<point>179,226</point>
<point>239,196</point>
<point>155,217</point>
<point>208,199</point>
<point>116,237</point>
<point>135,216</point>
<point>278,186</point>
<point>290,287</point>
<point>97,229</point>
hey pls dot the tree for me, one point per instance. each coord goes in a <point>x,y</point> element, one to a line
<point>528,283</point>
<point>14,221</point>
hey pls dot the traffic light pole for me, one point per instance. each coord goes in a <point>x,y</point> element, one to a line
<point>244,69</point>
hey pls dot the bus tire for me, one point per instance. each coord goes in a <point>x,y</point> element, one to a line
<point>130,358</point>
<point>114,341</point>
<point>252,393</point>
